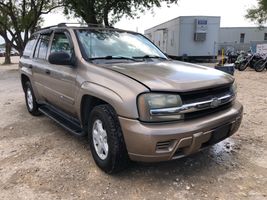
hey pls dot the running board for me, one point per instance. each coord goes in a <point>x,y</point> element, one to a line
<point>63,120</point>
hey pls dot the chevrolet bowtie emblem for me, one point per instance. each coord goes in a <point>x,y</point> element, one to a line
<point>215,102</point>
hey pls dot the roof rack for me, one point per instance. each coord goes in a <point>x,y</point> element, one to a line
<point>81,24</point>
<point>65,24</point>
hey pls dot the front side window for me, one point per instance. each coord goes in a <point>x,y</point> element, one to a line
<point>42,47</point>
<point>113,43</point>
<point>61,43</point>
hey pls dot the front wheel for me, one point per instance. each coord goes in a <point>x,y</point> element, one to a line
<point>260,65</point>
<point>242,66</point>
<point>237,64</point>
<point>106,140</point>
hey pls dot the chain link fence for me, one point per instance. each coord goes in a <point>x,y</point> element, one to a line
<point>237,47</point>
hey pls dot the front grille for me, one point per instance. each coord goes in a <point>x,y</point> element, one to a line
<point>203,113</point>
<point>204,95</point>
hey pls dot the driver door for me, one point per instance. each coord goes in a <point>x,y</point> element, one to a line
<point>61,79</point>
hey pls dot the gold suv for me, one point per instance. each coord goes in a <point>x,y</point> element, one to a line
<point>118,89</point>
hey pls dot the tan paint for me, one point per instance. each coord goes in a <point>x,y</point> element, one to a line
<point>120,84</point>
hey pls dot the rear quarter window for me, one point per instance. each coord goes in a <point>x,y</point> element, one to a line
<point>29,47</point>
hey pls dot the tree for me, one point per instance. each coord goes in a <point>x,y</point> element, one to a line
<point>259,13</point>
<point>22,18</point>
<point>109,12</point>
<point>4,24</point>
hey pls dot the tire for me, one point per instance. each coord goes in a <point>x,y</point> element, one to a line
<point>32,105</point>
<point>242,66</point>
<point>260,66</point>
<point>113,157</point>
<point>237,65</point>
<point>253,64</point>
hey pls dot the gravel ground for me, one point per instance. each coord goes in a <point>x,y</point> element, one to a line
<point>40,160</point>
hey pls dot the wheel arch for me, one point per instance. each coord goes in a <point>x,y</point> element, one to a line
<point>123,103</point>
<point>88,102</point>
<point>24,79</point>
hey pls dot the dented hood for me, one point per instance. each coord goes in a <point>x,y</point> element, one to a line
<point>172,75</point>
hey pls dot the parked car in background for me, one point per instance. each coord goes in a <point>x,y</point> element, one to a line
<point>2,52</point>
<point>130,100</point>
<point>14,53</point>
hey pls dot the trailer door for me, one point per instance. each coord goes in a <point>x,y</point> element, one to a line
<point>165,41</point>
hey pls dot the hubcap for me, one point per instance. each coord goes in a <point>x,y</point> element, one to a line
<point>100,139</point>
<point>29,98</point>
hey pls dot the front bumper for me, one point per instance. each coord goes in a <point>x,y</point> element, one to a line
<point>149,142</point>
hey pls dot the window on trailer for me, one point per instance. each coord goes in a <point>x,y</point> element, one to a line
<point>242,37</point>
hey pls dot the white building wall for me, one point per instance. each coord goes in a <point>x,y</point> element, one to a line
<point>198,48</point>
<point>232,34</point>
<point>176,37</point>
<point>171,40</point>
<point>179,39</point>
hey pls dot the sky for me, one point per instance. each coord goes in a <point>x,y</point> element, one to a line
<point>232,14</point>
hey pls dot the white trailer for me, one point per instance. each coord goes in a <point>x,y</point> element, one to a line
<point>187,36</point>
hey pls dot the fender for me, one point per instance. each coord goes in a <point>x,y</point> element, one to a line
<point>26,71</point>
<point>107,95</point>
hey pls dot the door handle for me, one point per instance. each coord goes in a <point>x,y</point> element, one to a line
<point>47,71</point>
<point>30,66</point>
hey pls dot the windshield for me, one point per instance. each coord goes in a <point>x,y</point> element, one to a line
<point>115,44</point>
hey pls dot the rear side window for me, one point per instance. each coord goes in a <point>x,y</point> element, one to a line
<point>42,47</point>
<point>29,47</point>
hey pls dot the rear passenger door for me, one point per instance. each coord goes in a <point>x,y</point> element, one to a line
<point>40,64</point>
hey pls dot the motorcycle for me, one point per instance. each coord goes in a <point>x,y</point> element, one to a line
<point>261,64</point>
<point>230,57</point>
<point>240,59</point>
<point>249,60</point>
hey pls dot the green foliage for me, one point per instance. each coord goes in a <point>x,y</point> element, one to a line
<point>20,18</point>
<point>258,14</point>
<point>109,12</point>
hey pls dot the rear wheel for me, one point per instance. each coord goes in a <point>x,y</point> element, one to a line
<point>106,140</point>
<point>32,105</point>
<point>260,66</point>
<point>242,66</point>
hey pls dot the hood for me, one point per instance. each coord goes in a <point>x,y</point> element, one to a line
<point>172,75</point>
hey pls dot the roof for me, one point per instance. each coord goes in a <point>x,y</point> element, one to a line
<point>245,27</point>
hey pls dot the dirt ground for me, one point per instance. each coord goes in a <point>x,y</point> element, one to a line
<point>40,160</point>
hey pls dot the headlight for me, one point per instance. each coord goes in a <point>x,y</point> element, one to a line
<point>234,89</point>
<point>150,103</point>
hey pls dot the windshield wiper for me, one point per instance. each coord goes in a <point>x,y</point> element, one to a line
<point>112,57</point>
<point>150,56</point>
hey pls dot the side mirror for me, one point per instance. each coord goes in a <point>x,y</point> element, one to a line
<point>60,58</point>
